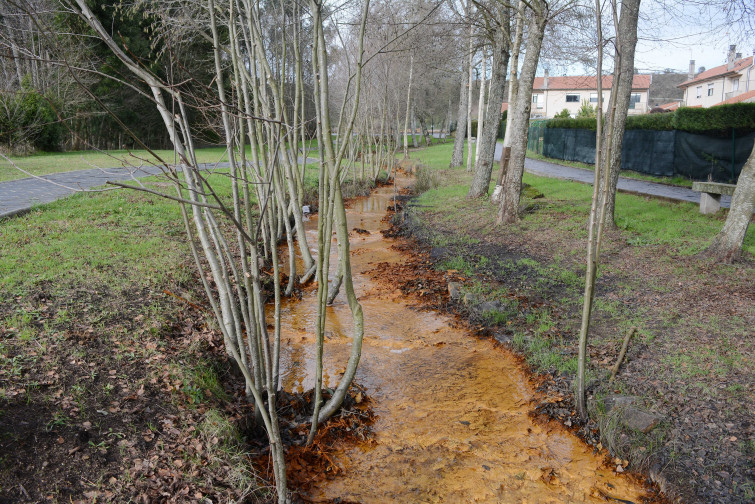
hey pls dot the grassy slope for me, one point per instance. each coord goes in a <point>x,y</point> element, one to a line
<point>84,288</point>
<point>647,221</point>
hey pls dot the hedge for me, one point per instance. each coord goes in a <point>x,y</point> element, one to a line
<point>720,119</point>
<point>716,121</point>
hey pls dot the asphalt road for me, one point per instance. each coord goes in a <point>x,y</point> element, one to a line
<point>19,196</point>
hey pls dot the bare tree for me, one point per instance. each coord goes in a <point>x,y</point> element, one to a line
<point>727,246</point>
<point>498,18</point>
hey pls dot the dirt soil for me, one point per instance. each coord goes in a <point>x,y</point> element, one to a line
<point>690,366</point>
<point>130,397</point>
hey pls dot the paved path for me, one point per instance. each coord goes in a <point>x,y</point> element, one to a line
<point>625,184</point>
<point>19,196</point>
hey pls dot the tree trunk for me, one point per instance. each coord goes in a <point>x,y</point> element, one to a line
<point>408,108</point>
<point>501,49</point>
<point>481,102</point>
<point>457,158</point>
<point>513,87</point>
<point>627,40</point>
<point>727,246</point>
<point>508,211</point>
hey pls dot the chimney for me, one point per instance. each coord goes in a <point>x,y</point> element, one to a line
<point>730,60</point>
<point>691,74</point>
<point>545,79</point>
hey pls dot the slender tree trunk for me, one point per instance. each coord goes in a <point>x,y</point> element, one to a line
<point>627,41</point>
<point>481,101</point>
<point>470,83</point>
<point>501,48</point>
<point>408,107</point>
<point>727,246</point>
<point>457,158</point>
<point>520,117</point>
<point>513,87</point>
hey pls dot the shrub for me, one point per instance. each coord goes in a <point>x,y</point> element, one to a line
<point>716,120</point>
<point>658,122</point>
<point>28,119</point>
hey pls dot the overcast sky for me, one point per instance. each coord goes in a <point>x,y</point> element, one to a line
<point>671,33</point>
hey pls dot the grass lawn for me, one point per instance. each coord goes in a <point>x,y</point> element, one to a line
<point>676,181</point>
<point>106,359</point>
<point>57,162</point>
<point>692,358</point>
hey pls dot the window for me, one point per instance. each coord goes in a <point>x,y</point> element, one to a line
<point>699,91</point>
<point>734,84</point>
<point>634,99</point>
<point>572,98</point>
<point>710,89</point>
<point>593,97</point>
<point>537,100</point>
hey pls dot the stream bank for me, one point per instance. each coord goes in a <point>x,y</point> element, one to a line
<point>453,410</point>
<point>680,409</point>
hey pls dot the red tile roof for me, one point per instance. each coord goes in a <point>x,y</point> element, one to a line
<point>587,82</point>
<point>669,106</point>
<point>744,97</point>
<point>719,71</point>
<point>504,107</point>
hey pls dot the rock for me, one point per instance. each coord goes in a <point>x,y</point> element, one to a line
<point>639,420</point>
<point>437,253</point>
<point>490,306</point>
<point>470,299</point>
<point>454,290</point>
<point>531,192</point>
<point>502,338</point>
<point>619,401</point>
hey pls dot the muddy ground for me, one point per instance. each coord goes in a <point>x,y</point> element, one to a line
<point>688,368</point>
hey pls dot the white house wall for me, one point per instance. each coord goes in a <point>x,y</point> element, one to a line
<point>553,101</point>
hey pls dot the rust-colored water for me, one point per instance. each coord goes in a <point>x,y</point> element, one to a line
<point>453,421</point>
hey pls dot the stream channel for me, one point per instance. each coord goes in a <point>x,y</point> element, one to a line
<point>453,410</point>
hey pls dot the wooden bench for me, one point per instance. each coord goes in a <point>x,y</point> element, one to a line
<point>710,195</point>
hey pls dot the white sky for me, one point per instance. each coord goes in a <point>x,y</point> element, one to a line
<point>672,33</point>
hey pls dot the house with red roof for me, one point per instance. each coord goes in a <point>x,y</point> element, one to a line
<point>731,82</point>
<point>551,95</point>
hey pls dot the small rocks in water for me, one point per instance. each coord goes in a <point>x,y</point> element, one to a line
<point>619,469</point>
<point>361,231</point>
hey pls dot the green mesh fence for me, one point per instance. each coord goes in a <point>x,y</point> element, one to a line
<point>659,153</point>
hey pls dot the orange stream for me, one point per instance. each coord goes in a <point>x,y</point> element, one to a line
<point>453,422</point>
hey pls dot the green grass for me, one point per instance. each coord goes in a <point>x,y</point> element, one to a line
<point>46,163</point>
<point>110,238</point>
<point>676,180</point>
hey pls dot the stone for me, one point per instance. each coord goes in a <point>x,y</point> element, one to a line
<point>619,401</point>
<point>639,420</point>
<point>454,290</point>
<point>490,306</point>
<point>470,299</point>
<point>709,203</point>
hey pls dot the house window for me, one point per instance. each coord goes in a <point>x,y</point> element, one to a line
<point>593,97</point>
<point>634,99</point>
<point>572,98</point>
<point>710,89</point>
<point>735,84</point>
<point>537,100</point>
<point>699,91</point>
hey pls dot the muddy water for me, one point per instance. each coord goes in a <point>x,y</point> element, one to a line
<point>453,421</point>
